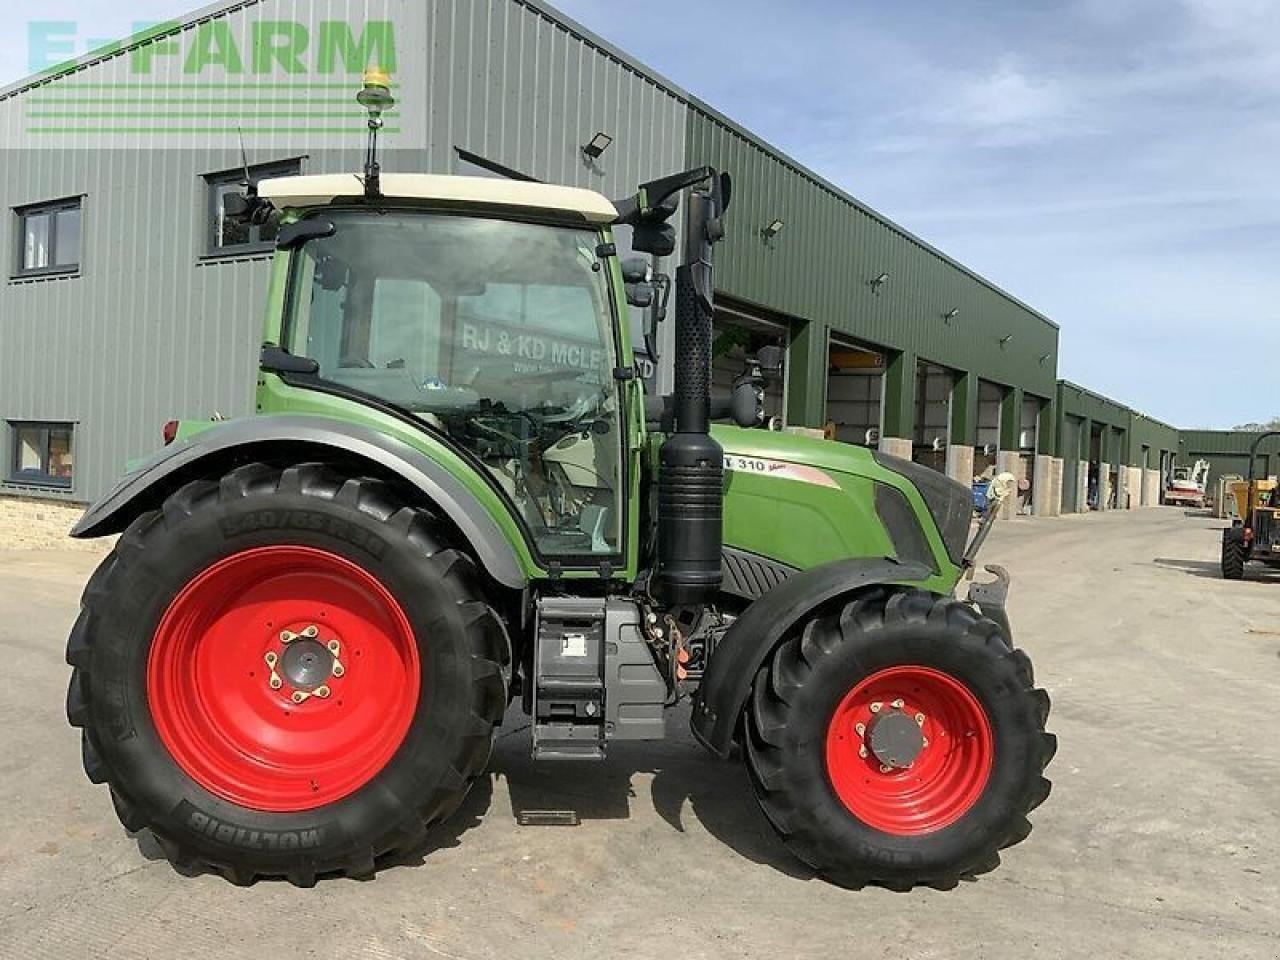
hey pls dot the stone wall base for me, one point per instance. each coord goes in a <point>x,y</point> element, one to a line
<point>1009,462</point>
<point>896,447</point>
<point>1151,488</point>
<point>960,464</point>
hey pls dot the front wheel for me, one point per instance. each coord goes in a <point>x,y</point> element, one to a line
<point>1234,553</point>
<point>286,673</point>
<point>900,742</point>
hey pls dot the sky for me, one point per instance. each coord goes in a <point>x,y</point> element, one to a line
<point>1113,163</point>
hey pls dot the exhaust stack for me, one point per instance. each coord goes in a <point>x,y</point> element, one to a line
<point>691,472</point>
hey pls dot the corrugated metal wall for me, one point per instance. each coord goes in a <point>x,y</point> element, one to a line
<point>1228,452</point>
<point>148,331</point>
<point>821,266</point>
<point>1159,438</point>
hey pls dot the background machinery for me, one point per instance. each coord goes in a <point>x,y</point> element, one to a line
<point>1254,534</point>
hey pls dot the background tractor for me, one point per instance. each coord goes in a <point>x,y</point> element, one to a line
<point>455,495</point>
<point>1255,533</point>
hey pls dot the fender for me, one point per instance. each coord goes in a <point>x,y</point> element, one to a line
<point>754,636</point>
<point>147,487</point>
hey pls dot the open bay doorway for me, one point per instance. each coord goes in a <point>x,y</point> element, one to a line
<point>855,392</point>
<point>738,332</point>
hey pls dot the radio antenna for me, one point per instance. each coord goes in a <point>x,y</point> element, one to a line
<point>244,155</point>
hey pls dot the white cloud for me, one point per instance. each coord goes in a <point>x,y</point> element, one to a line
<point>1006,98</point>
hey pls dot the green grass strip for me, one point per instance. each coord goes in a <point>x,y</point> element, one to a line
<point>191,114</point>
<point>180,129</point>
<point>149,85</point>
<point>55,101</point>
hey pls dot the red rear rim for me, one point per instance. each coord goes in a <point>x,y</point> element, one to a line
<point>283,678</point>
<point>952,752</point>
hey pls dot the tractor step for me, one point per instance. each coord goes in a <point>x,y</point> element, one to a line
<point>569,688</point>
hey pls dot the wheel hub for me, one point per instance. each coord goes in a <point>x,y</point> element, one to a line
<point>909,750</point>
<point>895,739</point>
<point>302,665</point>
<point>306,664</point>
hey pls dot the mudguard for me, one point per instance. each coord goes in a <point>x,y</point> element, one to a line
<point>147,487</point>
<point>753,636</point>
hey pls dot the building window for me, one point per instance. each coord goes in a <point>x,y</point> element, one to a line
<point>42,455</point>
<point>229,237</point>
<point>49,238</point>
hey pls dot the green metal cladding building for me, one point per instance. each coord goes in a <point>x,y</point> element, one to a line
<point>890,342</point>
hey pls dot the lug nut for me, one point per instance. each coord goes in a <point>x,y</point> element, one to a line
<point>924,741</point>
<point>875,707</point>
<point>311,632</point>
<point>321,691</point>
<point>339,669</point>
<point>897,704</point>
<point>334,646</point>
<point>860,728</point>
<point>276,683</point>
<point>298,696</point>
<point>287,637</point>
<point>862,752</point>
<point>920,719</point>
<point>271,659</point>
<point>885,768</point>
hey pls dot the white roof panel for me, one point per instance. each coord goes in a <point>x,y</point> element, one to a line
<point>318,191</point>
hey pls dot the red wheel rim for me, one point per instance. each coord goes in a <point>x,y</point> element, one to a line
<point>312,727</point>
<point>947,776</point>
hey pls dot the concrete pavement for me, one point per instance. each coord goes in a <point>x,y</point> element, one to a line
<point>1161,838</point>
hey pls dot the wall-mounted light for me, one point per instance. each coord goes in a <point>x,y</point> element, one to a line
<point>773,229</point>
<point>1004,341</point>
<point>595,148</point>
<point>1045,358</point>
<point>951,314</point>
<point>879,282</point>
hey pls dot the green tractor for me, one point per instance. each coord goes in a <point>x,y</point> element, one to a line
<point>455,495</point>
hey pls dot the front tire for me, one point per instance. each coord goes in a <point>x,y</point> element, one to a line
<point>1233,559</point>
<point>287,673</point>
<point>900,742</point>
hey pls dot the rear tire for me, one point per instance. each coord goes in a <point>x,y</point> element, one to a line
<point>200,735</point>
<point>1233,559</point>
<point>965,795</point>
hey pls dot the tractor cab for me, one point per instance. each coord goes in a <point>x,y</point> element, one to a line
<point>488,311</point>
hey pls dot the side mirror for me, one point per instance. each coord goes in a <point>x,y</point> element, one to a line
<point>746,405</point>
<point>770,359</point>
<point>636,270</point>
<point>247,207</point>
<point>640,295</point>
<point>658,239</point>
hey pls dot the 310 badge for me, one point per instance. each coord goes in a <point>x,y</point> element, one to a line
<point>778,468</point>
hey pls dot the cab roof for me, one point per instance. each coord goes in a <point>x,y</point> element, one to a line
<point>319,191</point>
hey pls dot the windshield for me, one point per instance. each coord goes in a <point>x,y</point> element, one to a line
<point>498,333</point>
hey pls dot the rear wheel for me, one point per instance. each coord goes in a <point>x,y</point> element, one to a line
<point>1233,559</point>
<point>900,742</point>
<point>287,673</point>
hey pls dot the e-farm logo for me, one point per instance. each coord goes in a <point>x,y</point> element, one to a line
<point>214,77</point>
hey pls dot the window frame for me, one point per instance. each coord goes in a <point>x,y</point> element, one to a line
<point>45,480</point>
<point>625,552</point>
<point>214,181</point>
<point>50,208</point>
